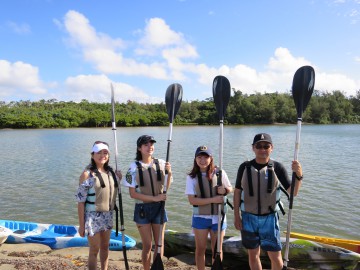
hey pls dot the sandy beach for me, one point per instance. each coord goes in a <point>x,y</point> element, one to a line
<point>41,257</point>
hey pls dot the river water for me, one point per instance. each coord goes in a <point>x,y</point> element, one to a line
<point>40,171</point>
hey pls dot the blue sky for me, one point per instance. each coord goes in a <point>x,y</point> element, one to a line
<point>73,50</point>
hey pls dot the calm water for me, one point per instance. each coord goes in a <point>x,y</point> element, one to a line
<point>40,170</point>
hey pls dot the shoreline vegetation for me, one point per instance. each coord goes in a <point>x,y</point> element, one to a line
<point>243,109</point>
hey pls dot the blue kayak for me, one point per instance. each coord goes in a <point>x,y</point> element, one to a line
<point>56,236</point>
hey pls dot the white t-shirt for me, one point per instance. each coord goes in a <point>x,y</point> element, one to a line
<point>191,190</point>
<point>129,180</point>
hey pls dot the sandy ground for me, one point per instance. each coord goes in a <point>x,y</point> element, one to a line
<point>41,257</point>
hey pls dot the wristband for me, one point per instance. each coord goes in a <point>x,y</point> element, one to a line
<point>299,177</point>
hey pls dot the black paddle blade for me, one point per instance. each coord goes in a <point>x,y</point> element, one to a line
<point>173,97</point>
<point>157,264</point>
<point>217,265</point>
<point>112,104</point>
<point>221,94</point>
<point>302,88</point>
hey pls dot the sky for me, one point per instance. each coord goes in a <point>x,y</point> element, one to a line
<point>75,50</point>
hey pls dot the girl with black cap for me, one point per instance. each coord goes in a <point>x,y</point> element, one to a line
<point>145,179</point>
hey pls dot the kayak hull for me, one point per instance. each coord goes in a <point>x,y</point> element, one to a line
<point>302,253</point>
<point>4,233</point>
<point>56,236</point>
<point>353,245</point>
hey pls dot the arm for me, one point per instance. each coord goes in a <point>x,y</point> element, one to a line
<point>81,206</point>
<point>237,198</point>
<point>146,198</point>
<point>236,202</point>
<point>203,201</point>
<point>297,169</point>
<point>81,216</point>
<point>169,175</point>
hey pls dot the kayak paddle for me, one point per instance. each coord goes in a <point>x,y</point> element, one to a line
<point>173,97</point>
<point>302,89</point>
<point>122,228</point>
<point>221,94</point>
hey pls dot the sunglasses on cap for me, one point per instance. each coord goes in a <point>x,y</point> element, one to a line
<point>262,146</point>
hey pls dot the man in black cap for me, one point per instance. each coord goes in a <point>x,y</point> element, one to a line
<point>258,186</point>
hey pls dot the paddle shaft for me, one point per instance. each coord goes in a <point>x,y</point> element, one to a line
<point>122,227</point>
<point>221,146</point>
<point>296,153</point>
<point>164,191</point>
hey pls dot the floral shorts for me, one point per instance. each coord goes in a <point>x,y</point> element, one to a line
<point>98,222</point>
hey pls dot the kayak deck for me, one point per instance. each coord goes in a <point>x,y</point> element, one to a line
<point>57,236</point>
<point>353,245</point>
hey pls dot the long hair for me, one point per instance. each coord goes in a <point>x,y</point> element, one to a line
<point>209,171</point>
<point>92,166</point>
<point>138,156</point>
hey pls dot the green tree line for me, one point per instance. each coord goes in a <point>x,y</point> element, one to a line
<point>243,109</point>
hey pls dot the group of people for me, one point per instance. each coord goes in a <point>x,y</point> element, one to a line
<point>256,200</point>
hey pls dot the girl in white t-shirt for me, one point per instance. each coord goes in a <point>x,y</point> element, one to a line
<point>205,195</point>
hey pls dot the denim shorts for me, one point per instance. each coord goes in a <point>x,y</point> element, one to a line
<point>263,231</point>
<point>149,213</point>
<point>206,223</point>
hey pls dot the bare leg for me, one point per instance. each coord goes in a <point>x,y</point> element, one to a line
<point>276,260</point>
<point>201,237</point>
<point>104,249</point>
<point>254,259</point>
<point>146,238</point>
<point>94,246</point>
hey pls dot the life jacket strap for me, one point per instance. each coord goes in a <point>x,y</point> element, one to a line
<point>201,186</point>
<point>140,173</point>
<point>114,177</point>
<point>156,161</point>
<point>248,171</point>
<point>284,191</point>
<point>98,175</point>
<point>151,181</point>
<point>270,176</point>
<point>211,195</point>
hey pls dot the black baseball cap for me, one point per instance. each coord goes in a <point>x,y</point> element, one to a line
<point>144,139</point>
<point>262,137</point>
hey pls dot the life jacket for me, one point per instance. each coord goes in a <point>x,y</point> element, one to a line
<point>261,190</point>
<point>151,180</point>
<point>206,188</point>
<point>102,196</point>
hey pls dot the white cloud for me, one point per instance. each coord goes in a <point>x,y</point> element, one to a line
<point>335,81</point>
<point>19,28</point>
<point>158,34</point>
<point>19,79</point>
<point>163,47</point>
<point>277,76</point>
<point>97,88</point>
